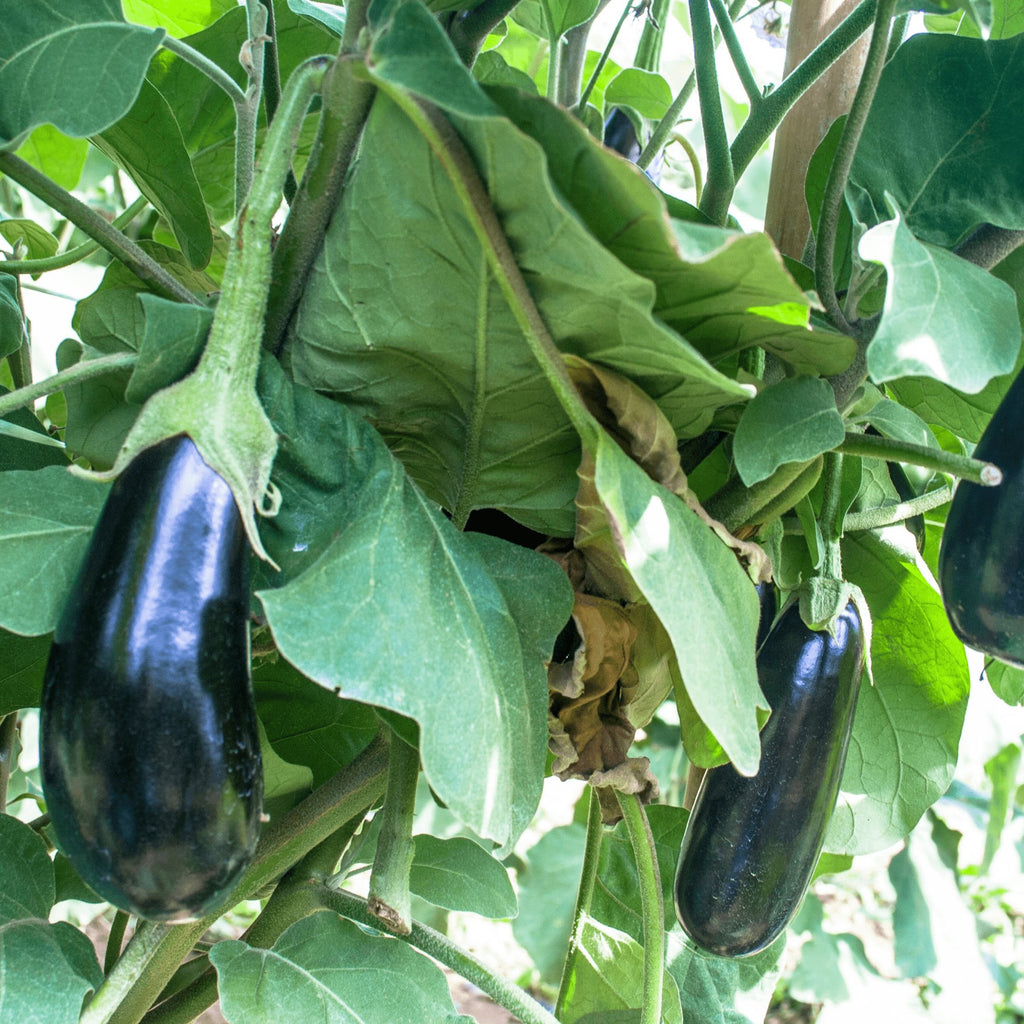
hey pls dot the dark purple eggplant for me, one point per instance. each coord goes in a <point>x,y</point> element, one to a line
<point>981,558</point>
<point>150,750</point>
<point>751,844</point>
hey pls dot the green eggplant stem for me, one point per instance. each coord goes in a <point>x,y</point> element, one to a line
<point>870,447</point>
<point>85,369</point>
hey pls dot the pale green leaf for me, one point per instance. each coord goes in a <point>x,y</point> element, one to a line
<point>700,593</point>
<point>460,875</point>
<point>906,731</point>
<point>943,317</point>
<point>331,16</point>
<point>608,977</point>
<point>36,240</point>
<point>326,969</point>
<point>57,155</point>
<point>179,17</point>
<point>645,91</point>
<point>563,15</point>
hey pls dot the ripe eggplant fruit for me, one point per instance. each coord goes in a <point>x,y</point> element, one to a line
<point>149,742</point>
<point>981,568</point>
<point>620,134</point>
<point>751,844</point>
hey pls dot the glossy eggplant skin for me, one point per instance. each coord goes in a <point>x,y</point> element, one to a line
<point>751,844</point>
<point>149,742</point>
<point>981,558</point>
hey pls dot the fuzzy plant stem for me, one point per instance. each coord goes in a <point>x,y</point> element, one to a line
<point>584,897</point>
<point>390,899</point>
<point>831,516</point>
<point>839,171</point>
<point>736,54</point>
<point>86,369</point>
<point>247,111</point>
<point>470,28</point>
<point>213,71</point>
<point>445,952</point>
<point>759,126</point>
<point>652,908</point>
<point>581,105</point>
<point>867,446</point>
<point>96,227</point>
<point>721,181</point>
<point>346,105</point>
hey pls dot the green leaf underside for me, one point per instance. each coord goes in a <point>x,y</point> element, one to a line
<point>386,564</point>
<point>907,729</point>
<point>460,875</point>
<point>700,593</point>
<point>446,355</point>
<point>22,663</point>
<point>326,969</point>
<point>791,421</point>
<point>102,61</point>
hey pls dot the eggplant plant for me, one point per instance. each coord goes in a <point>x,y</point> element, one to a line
<point>425,430</point>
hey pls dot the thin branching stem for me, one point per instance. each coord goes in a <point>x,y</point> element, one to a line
<point>721,181</point>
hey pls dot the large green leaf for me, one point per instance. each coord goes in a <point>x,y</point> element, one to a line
<point>46,520</point>
<point>700,594</point>
<point>386,600</point>
<point>47,971</point>
<point>907,729</point>
<point>326,969</point>
<point>26,874</point>
<point>147,143</point>
<point>22,663</point>
<point>76,66</point>
<point>952,159</point>
<point>721,289</point>
<point>458,874</point>
<point>403,319</point>
<point>943,317</point>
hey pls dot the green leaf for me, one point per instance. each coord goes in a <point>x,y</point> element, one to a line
<point>178,17</point>
<point>25,444</point>
<point>148,144</point>
<point>173,336</point>
<point>22,663</point>
<point>608,978</point>
<point>307,724</point>
<point>1002,770</point>
<point>955,160</point>
<point>327,969</point>
<point>943,317</point>
<point>38,242</point>
<point>547,895</point>
<point>616,900</point>
<point>446,648</point>
<point>26,874</point>
<point>907,728</point>
<point>460,875</point>
<point>721,989</point>
<point>1007,682</point>
<point>46,520</point>
<point>331,16</point>
<point>58,156</point>
<point>442,367</point>
<point>284,783</point>
<point>720,289</point>
<point>12,323</point>
<point>48,970</point>
<point>914,949</point>
<point>644,91</point>
<point>791,421</point>
<point>891,419</point>
<point>700,593</point>
<point>76,67</point>
<point>563,15</point>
